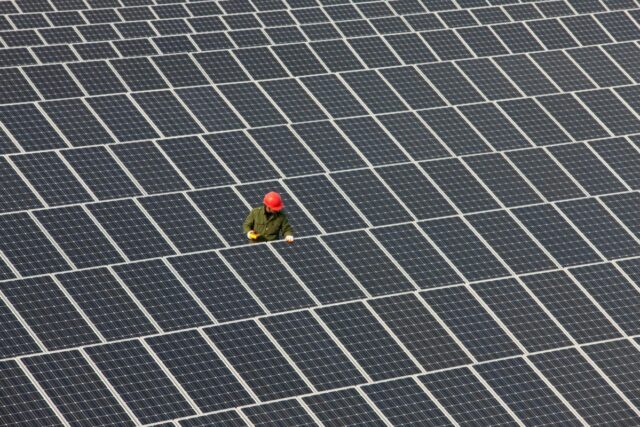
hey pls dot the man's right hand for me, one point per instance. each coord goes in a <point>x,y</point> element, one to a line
<point>252,235</point>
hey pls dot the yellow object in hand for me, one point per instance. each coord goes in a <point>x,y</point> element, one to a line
<point>253,235</point>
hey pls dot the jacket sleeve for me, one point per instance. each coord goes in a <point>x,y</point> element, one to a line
<point>247,225</point>
<point>286,228</point>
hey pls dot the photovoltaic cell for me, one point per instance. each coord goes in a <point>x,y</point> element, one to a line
<point>562,70</point>
<point>162,295</point>
<point>334,96</point>
<point>130,229</point>
<point>106,304</point>
<point>53,81</point>
<point>215,285</point>
<point>573,309</point>
<point>140,381</point>
<point>16,340</point>
<point>371,140</point>
<point>21,400</point>
<point>622,157</point>
<point>454,131</point>
<point>459,391</point>
<point>613,292</point>
<point>367,341</point>
<point>374,52</point>
<point>494,126</point>
<point>282,146</point>
<point>325,203</point>
<point>204,376</point>
<point>412,135</point>
<point>541,170</point>
<point>619,361</point>
<point>417,257</point>
<point>403,402</point>
<point>48,312</point>
<point>419,331</point>
<point>583,387</point>
<point>101,173</point>
<point>17,195</point>
<point>599,67</point>
<point>602,230</point>
<point>27,247</point>
<point>368,263</point>
<point>209,108</point>
<point>374,92</point>
<point>76,122</point>
<point>371,197</point>
<point>464,249</point>
<point>343,408</point>
<point>526,394</point>
<point>51,178</point>
<point>520,313</point>
<point>525,75</point>
<point>413,88</point>
<point>328,145</point>
<point>313,351</point>
<point>240,154</point>
<point>192,157</point>
<point>181,222</point>
<point>219,204</point>
<point>122,118</point>
<point>30,128</point>
<point>587,169</point>
<point>254,107</point>
<point>459,185</point>
<point>539,127</point>
<point>149,167</point>
<point>623,206</point>
<point>257,360</point>
<point>268,278</point>
<point>319,271</point>
<point>222,419</point>
<point>488,78</point>
<point>502,179</point>
<point>166,112</point>
<point>510,241</point>
<point>284,411</point>
<point>71,383</point>
<point>78,236</point>
<point>292,99</point>
<point>471,323</point>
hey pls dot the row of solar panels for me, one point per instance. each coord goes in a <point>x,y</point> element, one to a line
<point>246,281</point>
<point>245,30</point>
<point>171,9</point>
<point>279,13</point>
<point>324,203</point>
<point>375,51</point>
<point>334,347</point>
<point>116,171</point>
<point>207,16</point>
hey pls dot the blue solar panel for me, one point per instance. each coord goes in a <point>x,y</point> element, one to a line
<point>461,177</point>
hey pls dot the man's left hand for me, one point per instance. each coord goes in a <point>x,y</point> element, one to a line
<point>289,238</point>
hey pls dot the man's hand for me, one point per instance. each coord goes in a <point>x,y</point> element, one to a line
<point>252,235</point>
<point>288,239</point>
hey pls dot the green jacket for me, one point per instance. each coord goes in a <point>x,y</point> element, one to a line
<point>267,229</point>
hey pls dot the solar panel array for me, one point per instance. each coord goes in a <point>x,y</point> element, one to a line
<point>462,176</point>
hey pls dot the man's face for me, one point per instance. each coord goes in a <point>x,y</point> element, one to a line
<point>268,209</point>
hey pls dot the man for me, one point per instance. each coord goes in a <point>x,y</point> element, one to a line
<point>268,222</point>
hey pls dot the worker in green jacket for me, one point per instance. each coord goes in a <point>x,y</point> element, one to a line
<point>268,222</point>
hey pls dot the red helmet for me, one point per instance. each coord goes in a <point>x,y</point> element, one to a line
<point>274,201</point>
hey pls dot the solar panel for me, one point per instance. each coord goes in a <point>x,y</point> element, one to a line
<point>461,177</point>
<point>458,390</point>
